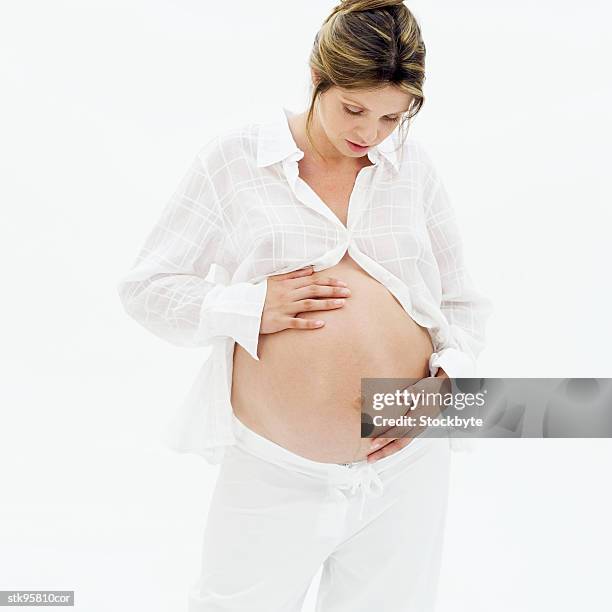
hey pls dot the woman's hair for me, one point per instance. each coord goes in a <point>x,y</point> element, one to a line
<point>368,44</point>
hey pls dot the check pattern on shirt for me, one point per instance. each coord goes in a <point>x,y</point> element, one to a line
<point>242,213</point>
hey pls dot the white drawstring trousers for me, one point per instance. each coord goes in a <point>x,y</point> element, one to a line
<point>276,516</point>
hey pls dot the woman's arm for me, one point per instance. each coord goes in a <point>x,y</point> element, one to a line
<point>166,291</point>
<point>464,307</point>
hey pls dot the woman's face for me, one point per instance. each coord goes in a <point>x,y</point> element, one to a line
<point>364,117</point>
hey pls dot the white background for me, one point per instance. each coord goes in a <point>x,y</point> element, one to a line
<point>104,105</point>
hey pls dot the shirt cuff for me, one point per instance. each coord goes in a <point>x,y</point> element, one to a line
<point>454,362</point>
<point>234,311</point>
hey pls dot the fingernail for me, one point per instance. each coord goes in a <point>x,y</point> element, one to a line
<point>374,445</point>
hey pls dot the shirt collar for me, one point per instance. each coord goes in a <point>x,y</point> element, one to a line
<point>275,143</point>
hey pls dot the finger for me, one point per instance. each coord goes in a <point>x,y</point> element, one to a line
<point>399,431</point>
<point>312,305</point>
<point>306,271</point>
<point>320,281</point>
<point>402,433</point>
<point>318,289</point>
<point>387,450</point>
<point>296,323</point>
<point>377,443</point>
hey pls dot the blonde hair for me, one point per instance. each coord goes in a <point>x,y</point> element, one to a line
<point>369,44</point>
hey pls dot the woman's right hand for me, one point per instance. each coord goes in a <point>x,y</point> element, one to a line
<point>294,292</point>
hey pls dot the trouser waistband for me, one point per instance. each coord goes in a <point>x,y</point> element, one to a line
<point>349,476</point>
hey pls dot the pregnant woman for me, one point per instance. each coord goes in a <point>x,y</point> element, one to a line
<point>336,257</point>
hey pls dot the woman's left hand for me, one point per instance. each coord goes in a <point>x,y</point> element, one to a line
<point>383,447</point>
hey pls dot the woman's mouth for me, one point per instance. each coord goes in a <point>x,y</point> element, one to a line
<point>355,147</point>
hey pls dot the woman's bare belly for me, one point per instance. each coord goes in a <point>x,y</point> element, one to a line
<point>304,392</point>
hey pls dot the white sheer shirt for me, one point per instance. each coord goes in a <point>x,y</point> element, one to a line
<point>242,213</point>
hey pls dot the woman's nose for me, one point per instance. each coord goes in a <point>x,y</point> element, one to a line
<point>368,136</point>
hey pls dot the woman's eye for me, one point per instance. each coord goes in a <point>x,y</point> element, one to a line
<point>350,112</point>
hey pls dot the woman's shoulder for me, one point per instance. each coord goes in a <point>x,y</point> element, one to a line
<point>416,151</point>
<point>417,158</point>
<point>226,147</point>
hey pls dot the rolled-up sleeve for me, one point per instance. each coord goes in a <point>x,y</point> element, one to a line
<point>167,290</point>
<point>465,308</point>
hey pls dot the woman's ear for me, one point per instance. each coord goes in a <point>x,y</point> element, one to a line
<point>315,76</point>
